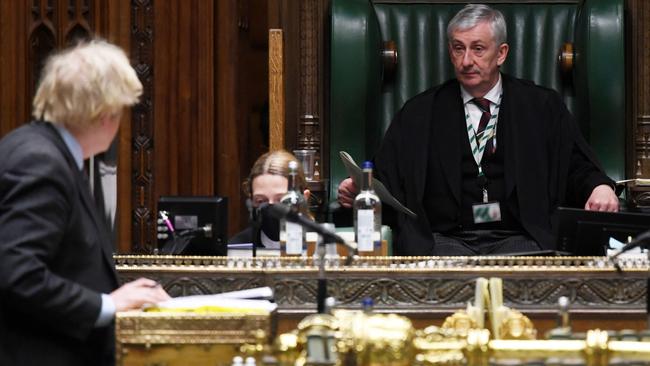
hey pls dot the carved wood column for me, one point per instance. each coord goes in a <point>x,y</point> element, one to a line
<point>640,80</point>
<point>313,17</point>
<point>638,69</point>
<point>141,126</point>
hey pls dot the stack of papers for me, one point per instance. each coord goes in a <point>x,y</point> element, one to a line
<point>238,302</point>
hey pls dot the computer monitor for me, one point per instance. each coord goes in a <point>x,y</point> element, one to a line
<point>587,233</point>
<point>188,215</point>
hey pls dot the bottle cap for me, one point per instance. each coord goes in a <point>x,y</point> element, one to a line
<point>367,165</point>
<point>367,303</point>
<point>293,165</point>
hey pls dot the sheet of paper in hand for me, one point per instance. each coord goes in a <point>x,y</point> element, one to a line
<point>355,173</point>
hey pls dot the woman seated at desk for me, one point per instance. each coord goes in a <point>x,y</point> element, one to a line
<point>267,183</point>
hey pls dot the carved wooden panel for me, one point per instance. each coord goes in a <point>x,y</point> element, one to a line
<point>15,22</point>
<point>313,86</point>
<point>42,39</point>
<point>312,29</point>
<point>176,143</point>
<point>639,72</point>
<point>143,225</point>
<point>304,24</point>
<point>54,24</point>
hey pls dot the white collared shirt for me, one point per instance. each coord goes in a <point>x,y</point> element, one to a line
<point>72,144</point>
<point>473,110</point>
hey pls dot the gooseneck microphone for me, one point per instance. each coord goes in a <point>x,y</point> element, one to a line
<point>281,211</point>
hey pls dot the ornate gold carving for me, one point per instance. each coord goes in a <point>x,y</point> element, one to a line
<point>459,323</point>
<point>375,339</point>
<point>136,327</point>
<point>170,338</point>
<point>406,284</point>
<point>286,349</point>
<point>517,326</point>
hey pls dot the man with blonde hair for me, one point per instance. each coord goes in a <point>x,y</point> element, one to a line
<point>58,285</point>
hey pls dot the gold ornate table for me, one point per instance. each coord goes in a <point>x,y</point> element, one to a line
<point>159,338</point>
<point>426,289</point>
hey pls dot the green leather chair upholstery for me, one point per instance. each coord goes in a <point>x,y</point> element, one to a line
<point>364,98</point>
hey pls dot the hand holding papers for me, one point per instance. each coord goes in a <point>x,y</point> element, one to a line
<point>355,173</point>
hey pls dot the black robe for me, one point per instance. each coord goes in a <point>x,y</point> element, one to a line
<point>546,161</point>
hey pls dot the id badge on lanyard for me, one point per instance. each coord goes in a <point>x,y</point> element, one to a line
<point>486,211</point>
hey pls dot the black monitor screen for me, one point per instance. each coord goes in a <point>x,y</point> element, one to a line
<point>199,225</point>
<point>587,233</point>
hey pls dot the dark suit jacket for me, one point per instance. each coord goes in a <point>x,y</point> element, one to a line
<point>55,260</point>
<point>547,162</point>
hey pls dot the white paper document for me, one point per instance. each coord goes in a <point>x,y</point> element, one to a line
<point>356,174</point>
<point>245,300</point>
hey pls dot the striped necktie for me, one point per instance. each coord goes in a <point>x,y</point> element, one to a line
<point>484,105</point>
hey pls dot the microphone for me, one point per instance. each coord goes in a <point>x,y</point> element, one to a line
<point>281,211</point>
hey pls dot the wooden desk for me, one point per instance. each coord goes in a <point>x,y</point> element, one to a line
<point>427,289</point>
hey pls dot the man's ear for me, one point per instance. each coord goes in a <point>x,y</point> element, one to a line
<point>503,53</point>
<point>307,194</point>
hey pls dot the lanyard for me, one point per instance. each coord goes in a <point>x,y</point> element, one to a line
<point>477,142</point>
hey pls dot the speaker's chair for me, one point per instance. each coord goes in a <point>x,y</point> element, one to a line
<point>385,51</point>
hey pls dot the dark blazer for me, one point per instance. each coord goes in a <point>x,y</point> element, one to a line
<point>55,259</point>
<point>547,162</point>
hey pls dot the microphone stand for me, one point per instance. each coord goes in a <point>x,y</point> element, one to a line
<point>321,293</point>
<point>256,225</point>
<point>327,235</point>
<point>321,252</point>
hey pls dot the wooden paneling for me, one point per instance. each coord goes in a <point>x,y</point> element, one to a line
<point>14,102</point>
<point>192,124</point>
<point>228,139</point>
<point>241,48</point>
<point>203,78</point>
<point>29,31</point>
<point>203,118</point>
<point>276,90</point>
<point>305,27</point>
<point>113,20</point>
<point>639,87</point>
<point>140,216</point>
<point>183,100</point>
